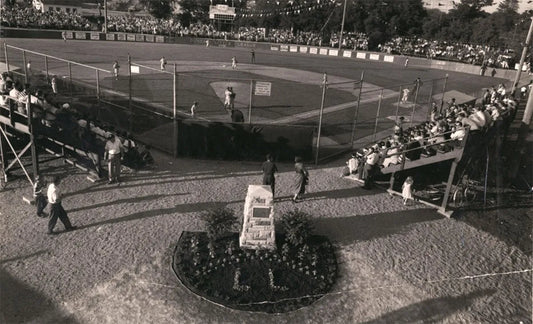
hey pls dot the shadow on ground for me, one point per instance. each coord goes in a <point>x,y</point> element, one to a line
<point>351,229</point>
<point>431,310</point>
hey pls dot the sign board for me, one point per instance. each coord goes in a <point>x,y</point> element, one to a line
<point>135,69</point>
<point>284,48</point>
<point>274,48</point>
<point>258,224</point>
<point>81,35</point>
<point>262,88</point>
<point>149,38</point>
<point>70,35</point>
<point>160,39</point>
<point>313,50</point>
<point>374,57</point>
<point>130,37</point>
<point>303,49</point>
<point>323,51</point>
<point>361,55</point>
<point>139,38</point>
<point>221,12</point>
<point>95,36</point>
<point>333,52</point>
<point>110,37</point>
<point>293,49</point>
<point>388,58</point>
<point>121,37</point>
<point>347,53</point>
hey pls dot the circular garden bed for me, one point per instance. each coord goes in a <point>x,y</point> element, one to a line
<point>277,281</point>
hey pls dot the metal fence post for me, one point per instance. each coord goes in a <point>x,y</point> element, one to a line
<point>46,68</point>
<point>251,98</point>
<point>417,85</point>
<point>130,123</point>
<point>430,99</point>
<point>357,107</point>
<point>398,105</point>
<point>25,67</point>
<point>97,85</point>
<point>175,112</point>
<point>70,78</point>
<point>377,114</point>
<point>443,91</point>
<point>5,54</point>
<point>324,85</point>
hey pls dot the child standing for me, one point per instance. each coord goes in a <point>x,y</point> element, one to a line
<point>407,190</point>
<point>38,196</point>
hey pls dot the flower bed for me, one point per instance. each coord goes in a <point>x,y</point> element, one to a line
<point>255,280</point>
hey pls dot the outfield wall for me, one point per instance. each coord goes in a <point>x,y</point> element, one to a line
<point>289,48</point>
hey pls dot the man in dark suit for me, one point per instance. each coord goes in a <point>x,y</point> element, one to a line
<point>269,170</point>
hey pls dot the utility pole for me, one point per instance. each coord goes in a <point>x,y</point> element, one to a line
<point>342,24</point>
<point>105,16</point>
<point>523,57</point>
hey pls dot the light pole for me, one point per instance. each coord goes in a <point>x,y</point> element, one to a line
<point>342,24</point>
<point>523,57</point>
<point>105,16</point>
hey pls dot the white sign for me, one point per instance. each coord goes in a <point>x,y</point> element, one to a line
<point>333,52</point>
<point>374,57</point>
<point>293,49</point>
<point>110,36</point>
<point>135,69</point>
<point>284,48</point>
<point>347,54</point>
<point>313,50</point>
<point>323,51</point>
<point>303,49</point>
<point>361,55</point>
<point>274,48</point>
<point>95,36</point>
<point>262,88</point>
<point>388,58</point>
<point>258,224</point>
<point>80,35</point>
<point>223,12</point>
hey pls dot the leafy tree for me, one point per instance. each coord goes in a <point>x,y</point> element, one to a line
<point>508,5</point>
<point>158,8</point>
<point>193,11</point>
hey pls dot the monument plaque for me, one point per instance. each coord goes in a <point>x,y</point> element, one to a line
<point>258,225</point>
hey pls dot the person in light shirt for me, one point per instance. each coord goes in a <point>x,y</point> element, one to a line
<point>113,153</point>
<point>56,210</point>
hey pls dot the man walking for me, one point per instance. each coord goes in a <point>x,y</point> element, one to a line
<point>38,196</point>
<point>56,210</point>
<point>269,169</point>
<point>113,151</point>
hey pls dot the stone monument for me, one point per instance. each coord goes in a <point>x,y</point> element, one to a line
<point>258,225</point>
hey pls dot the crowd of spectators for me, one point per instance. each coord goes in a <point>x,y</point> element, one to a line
<point>466,53</point>
<point>443,132</point>
<point>28,17</point>
<point>53,117</point>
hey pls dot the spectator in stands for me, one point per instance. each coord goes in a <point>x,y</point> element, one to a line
<point>53,83</point>
<point>392,155</point>
<point>372,158</point>
<point>458,132</point>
